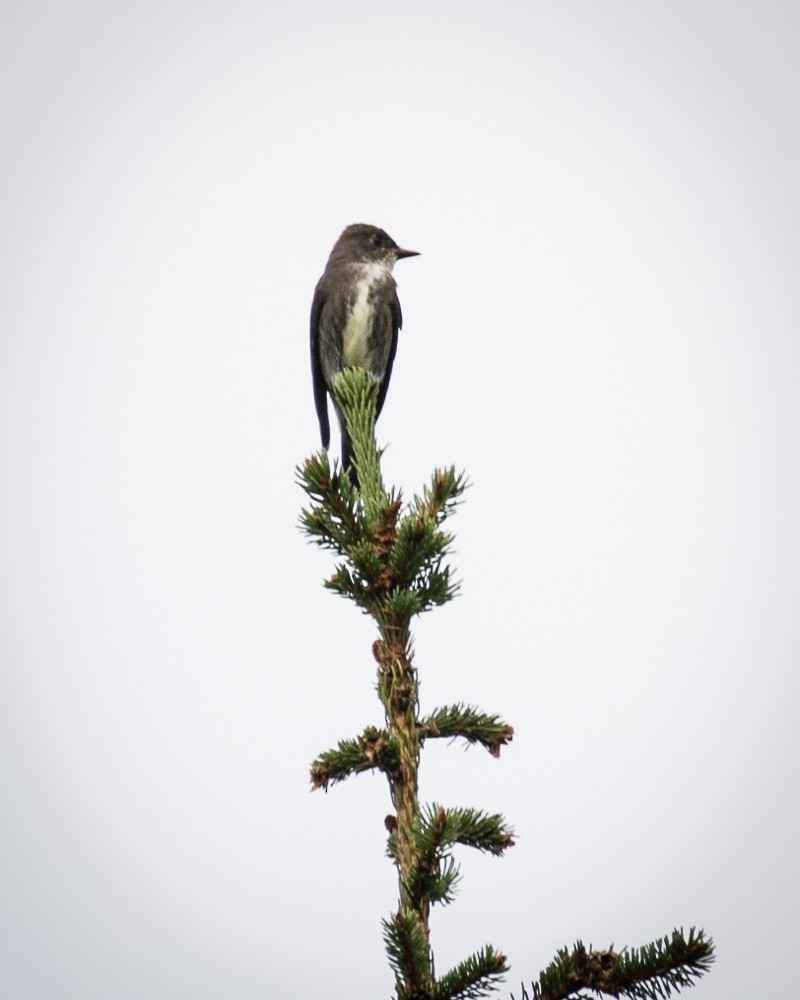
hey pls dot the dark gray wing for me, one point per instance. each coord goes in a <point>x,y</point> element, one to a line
<point>320,389</point>
<point>397,322</point>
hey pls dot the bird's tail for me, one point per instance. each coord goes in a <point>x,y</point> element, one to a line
<point>347,458</point>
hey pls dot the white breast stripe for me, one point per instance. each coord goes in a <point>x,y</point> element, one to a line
<point>359,322</point>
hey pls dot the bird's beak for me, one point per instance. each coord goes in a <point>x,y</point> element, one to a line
<point>399,254</point>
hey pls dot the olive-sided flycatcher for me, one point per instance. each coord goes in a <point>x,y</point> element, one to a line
<point>355,317</point>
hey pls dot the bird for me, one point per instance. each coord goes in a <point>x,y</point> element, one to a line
<point>355,319</point>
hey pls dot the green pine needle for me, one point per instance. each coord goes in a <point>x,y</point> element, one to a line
<point>450,721</point>
<point>408,953</point>
<point>476,976</point>
<point>651,972</point>
<point>440,827</point>
<point>374,749</point>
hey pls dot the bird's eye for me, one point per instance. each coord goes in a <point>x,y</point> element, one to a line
<point>376,239</point>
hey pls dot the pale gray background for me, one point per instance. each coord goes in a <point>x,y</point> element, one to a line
<point>602,329</point>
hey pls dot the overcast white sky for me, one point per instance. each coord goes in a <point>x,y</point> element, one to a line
<point>603,329</point>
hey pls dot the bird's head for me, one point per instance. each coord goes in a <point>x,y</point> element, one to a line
<point>361,243</point>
